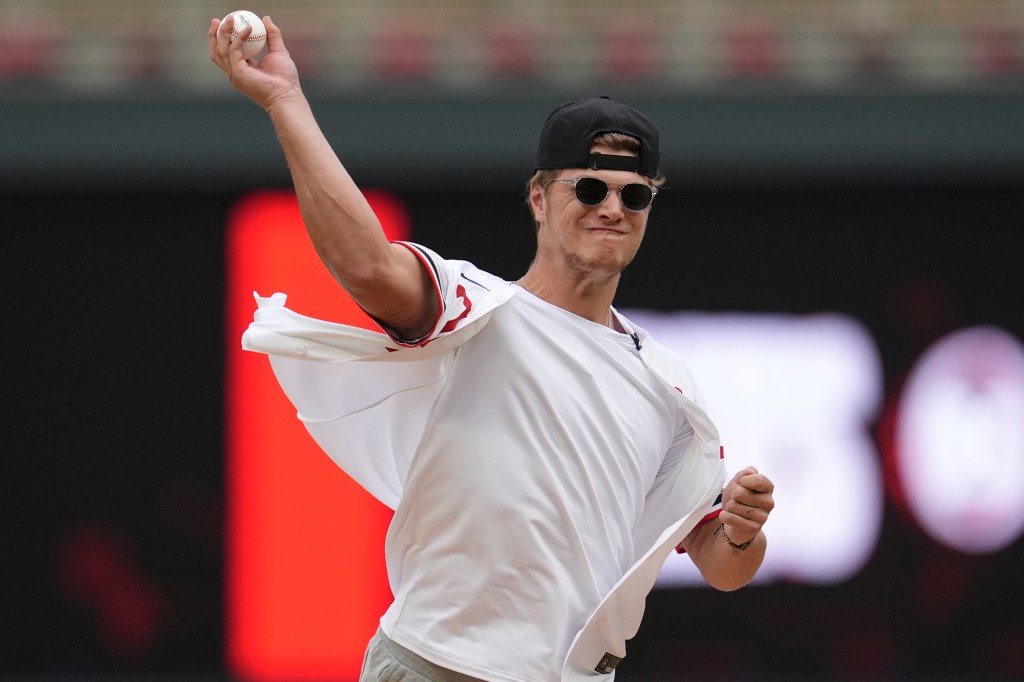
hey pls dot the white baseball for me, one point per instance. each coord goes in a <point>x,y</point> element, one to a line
<point>257,39</point>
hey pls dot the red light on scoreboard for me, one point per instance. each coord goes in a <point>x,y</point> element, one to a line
<point>305,578</point>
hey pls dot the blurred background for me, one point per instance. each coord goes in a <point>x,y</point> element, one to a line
<point>857,159</point>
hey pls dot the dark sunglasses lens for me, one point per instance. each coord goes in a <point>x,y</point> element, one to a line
<point>636,196</point>
<point>591,191</point>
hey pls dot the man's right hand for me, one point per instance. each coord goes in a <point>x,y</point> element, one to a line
<point>270,79</point>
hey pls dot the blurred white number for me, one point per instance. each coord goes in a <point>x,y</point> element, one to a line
<point>793,396</point>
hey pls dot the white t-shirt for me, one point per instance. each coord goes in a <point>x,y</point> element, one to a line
<point>522,499</point>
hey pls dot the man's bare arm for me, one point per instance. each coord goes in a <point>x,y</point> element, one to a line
<point>386,279</point>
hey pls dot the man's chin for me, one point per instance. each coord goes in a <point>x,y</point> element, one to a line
<point>602,262</point>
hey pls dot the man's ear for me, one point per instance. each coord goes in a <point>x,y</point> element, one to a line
<point>537,201</point>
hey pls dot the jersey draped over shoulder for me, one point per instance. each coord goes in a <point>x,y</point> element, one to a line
<point>364,396</point>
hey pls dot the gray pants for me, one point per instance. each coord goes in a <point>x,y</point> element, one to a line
<point>386,661</point>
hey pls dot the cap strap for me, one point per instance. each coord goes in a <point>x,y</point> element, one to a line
<point>613,162</point>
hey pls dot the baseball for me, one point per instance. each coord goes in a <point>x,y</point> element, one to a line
<point>257,39</point>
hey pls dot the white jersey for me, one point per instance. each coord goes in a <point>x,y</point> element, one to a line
<point>541,466</point>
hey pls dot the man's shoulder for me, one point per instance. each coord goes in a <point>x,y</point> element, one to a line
<point>467,294</point>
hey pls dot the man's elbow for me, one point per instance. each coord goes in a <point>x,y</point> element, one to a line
<point>728,583</point>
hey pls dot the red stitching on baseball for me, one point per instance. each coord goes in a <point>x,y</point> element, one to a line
<point>251,38</point>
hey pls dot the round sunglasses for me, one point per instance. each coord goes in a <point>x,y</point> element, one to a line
<point>636,196</point>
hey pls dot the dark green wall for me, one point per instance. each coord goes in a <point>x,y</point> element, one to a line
<point>424,139</point>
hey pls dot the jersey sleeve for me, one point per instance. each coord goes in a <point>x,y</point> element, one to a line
<point>459,287</point>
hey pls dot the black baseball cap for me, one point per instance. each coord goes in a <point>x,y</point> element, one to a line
<point>569,133</point>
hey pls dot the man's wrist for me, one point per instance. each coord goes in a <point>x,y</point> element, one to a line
<point>736,547</point>
<point>293,97</point>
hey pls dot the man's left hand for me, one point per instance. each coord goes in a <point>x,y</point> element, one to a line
<point>746,503</point>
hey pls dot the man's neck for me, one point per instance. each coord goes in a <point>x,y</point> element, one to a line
<point>587,297</point>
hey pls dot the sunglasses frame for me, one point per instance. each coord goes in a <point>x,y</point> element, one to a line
<point>572,182</point>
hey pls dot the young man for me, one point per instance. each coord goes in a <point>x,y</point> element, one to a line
<point>542,454</point>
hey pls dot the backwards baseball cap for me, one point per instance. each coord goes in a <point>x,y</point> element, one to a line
<point>569,133</point>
